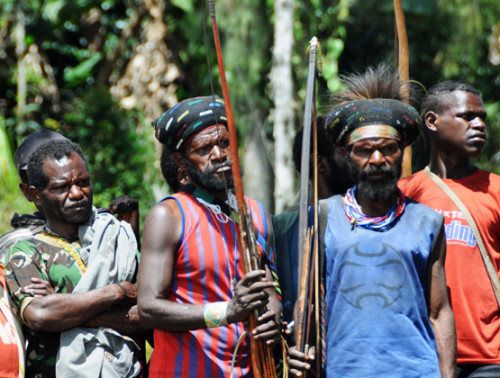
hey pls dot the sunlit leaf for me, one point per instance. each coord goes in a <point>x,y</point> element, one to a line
<point>185,5</point>
<point>80,73</point>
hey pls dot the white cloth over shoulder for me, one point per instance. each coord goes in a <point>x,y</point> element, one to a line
<point>109,250</point>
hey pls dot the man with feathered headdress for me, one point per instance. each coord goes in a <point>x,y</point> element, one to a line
<point>387,311</point>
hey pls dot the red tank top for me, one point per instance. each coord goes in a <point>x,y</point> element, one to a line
<point>206,261</point>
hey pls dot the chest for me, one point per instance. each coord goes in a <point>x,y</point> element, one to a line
<point>61,265</point>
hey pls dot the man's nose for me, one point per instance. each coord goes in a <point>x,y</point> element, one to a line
<point>377,158</point>
<point>478,123</point>
<point>75,192</point>
<point>218,153</point>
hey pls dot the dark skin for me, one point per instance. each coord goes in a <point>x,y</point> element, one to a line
<point>66,202</point>
<point>375,152</point>
<point>378,151</point>
<point>161,236</point>
<point>127,209</point>
<point>458,132</point>
<point>67,199</point>
<point>24,188</point>
<point>324,190</point>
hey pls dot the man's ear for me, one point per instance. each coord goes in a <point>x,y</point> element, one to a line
<point>431,120</point>
<point>34,196</point>
<point>343,151</point>
<point>322,164</point>
<point>178,159</point>
<point>24,188</point>
<point>182,176</point>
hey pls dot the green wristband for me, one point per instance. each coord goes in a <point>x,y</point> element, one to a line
<point>215,314</point>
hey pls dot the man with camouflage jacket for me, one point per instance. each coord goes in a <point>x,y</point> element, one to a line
<point>88,290</point>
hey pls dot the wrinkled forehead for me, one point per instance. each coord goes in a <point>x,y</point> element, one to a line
<point>214,131</point>
<point>64,166</point>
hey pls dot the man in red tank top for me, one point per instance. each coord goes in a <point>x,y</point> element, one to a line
<point>192,288</point>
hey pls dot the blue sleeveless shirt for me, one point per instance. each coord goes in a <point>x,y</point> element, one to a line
<point>376,312</point>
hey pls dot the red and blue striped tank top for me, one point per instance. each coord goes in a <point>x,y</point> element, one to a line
<point>206,261</point>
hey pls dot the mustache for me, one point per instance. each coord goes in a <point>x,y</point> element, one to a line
<point>216,166</point>
<point>84,202</point>
<point>383,169</point>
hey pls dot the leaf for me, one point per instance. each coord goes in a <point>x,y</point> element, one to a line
<point>51,9</point>
<point>185,5</point>
<point>79,74</point>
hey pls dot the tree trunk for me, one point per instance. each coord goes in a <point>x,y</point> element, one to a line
<point>20,52</point>
<point>258,183</point>
<point>282,95</point>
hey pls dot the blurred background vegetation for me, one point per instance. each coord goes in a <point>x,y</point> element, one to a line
<point>99,71</point>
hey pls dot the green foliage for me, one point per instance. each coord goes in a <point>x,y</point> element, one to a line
<point>325,20</point>
<point>117,154</point>
<point>80,74</point>
<point>185,5</point>
<point>11,198</point>
<point>82,42</point>
<point>246,37</point>
<point>465,56</point>
<point>71,47</point>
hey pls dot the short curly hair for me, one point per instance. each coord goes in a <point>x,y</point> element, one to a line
<point>53,150</point>
<point>170,169</point>
<point>438,97</point>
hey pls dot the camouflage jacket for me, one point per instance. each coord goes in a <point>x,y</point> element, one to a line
<point>40,256</point>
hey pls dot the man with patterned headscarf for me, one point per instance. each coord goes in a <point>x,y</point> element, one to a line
<point>387,311</point>
<point>192,288</point>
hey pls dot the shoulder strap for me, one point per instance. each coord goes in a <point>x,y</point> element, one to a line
<point>495,281</point>
<point>323,216</point>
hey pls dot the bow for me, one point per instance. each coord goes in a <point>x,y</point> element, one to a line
<point>403,61</point>
<point>262,358</point>
<point>308,286</point>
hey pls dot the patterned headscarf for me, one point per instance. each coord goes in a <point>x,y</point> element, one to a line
<point>391,118</point>
<point>189,117</point>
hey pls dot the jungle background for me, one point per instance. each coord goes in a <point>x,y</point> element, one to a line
<point>99,71</point>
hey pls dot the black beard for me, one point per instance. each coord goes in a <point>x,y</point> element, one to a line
<point>206,180</point>
<point>376,191</point>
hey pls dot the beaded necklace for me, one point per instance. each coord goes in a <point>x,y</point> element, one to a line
<point>69,248</point>
<point>358,218</point>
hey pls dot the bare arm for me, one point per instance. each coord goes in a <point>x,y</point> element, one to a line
<point>161,236</point>
<point>123,319</point>
<point>440,313</point>
<point>59,312</point>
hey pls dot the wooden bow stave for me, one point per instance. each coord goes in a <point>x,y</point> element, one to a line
<point>262,358</point>
<point>308,285</point>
